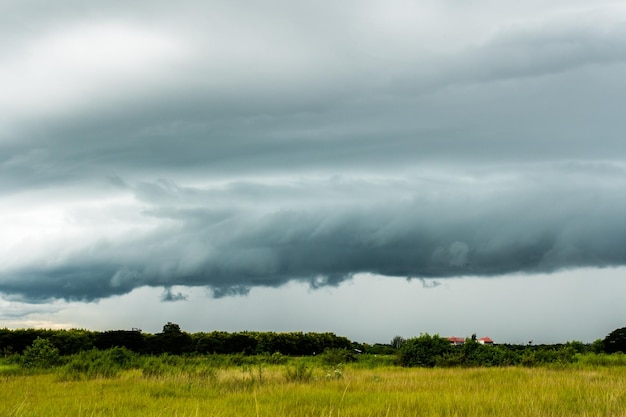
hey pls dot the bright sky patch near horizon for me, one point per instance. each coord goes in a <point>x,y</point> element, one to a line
<point>369,168</point>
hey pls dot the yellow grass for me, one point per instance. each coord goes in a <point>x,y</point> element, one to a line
<point>359,392</point>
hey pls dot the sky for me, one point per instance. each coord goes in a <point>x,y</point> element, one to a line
<point>370,168</point>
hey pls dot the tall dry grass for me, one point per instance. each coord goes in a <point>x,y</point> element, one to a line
<point>351,391</point>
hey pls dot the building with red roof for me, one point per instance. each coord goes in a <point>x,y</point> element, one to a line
<point>485,341</point>
<point>459,341</point>
<point>456,341</point>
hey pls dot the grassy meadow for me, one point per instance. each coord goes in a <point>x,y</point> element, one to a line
<point>303,387</point>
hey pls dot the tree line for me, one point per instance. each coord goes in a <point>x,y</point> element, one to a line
<point>422,351</point>
<point>172,340</point>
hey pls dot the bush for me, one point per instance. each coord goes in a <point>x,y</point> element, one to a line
<point>473,353</point>
<point>424,351</point>
<point>41,355</point>
<point>99,364</point>
<point>335,357</point>
<point>275,358</point>
<point>154,367</point>
<point>601,359</point>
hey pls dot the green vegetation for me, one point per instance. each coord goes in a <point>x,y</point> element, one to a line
<point>615,341</point>
<point>33,348</point>
<point>173,340</point>
<point>425,351</point>
<point>430,351</point>
<point>52,377</point>
<point>214,385</point>
<point>41,354</point>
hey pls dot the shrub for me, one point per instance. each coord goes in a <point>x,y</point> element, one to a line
<point>275,359</point>
<point>99,363</point>
<point>335,357</point>
<point>424,351</point>
<point>153,367</point>
<point>41,355</point>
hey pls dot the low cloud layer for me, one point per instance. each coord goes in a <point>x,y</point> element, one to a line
<point>234,237</point>
<point>229,147</point>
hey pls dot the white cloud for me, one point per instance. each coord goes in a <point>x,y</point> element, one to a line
<point>44,229</point>
<point>81,66</point>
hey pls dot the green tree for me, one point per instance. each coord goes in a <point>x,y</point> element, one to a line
<point>425,350</point>
<point>129,339</point>
<point>171,328</point>
<point>597,346</point>
<point>172,340</point>
<point>41,354</point>
<point>72,341</point>
<point>214,342</point>
<point>615,341</point>
<point>577,346</point>
<point>397,342</point>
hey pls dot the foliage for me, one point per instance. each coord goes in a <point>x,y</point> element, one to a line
<point>473,353</point>
<point>335,357</point>
<point>154,367</point>
<point>615,341</point>
<point>226,350</point>
<point>589,360</point>
<point>130,339</point>
<point>374,361</point>
<point>99,364</point>
<point>424,351</point>
<point>275,358</point>
<point>597,346</point>
<point>300,372</point>
<point>397,342</point>
<point>549,356</point>
<point>67,342</point>
<point>378,349</point>
<point>171,328</point>
<point>578,346</point>
<point>173,340</point>
<point>41,355</point>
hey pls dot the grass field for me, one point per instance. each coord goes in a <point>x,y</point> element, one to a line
<point>283,390</point>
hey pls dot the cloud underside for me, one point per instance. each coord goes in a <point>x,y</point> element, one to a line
<point>440,231</point>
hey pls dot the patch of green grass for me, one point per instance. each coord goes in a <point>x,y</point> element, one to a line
<point>10,369</point>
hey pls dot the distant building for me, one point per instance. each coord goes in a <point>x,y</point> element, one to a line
<point>456,341</point>
<point>485,341</point>
<point>459,341</point>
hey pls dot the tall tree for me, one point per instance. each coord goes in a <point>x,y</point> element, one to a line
<point>615,341</point>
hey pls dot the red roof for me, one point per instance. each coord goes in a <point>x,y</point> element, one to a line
<point>454,339</point>
<point>486,339</point>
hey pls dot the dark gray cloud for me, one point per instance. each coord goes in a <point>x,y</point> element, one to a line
<point>231,147</point>
<point>169,296</point>
<point>238,236</point>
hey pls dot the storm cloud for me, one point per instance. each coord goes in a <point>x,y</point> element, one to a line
<point>234,147</point>
<point>236,236</point>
